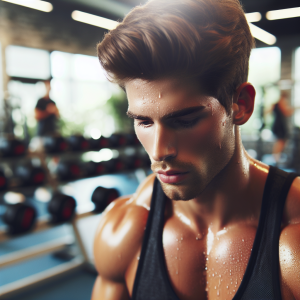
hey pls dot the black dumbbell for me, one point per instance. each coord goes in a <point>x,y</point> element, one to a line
<point>78,143</point>
<point>92,168</point>
<point>3,181</point>
<point>132,162</point>
<point>117,140</point>
<point>102,197</point>
<point>68,170</point>
<point>114,165</point>
<point>99,144</point>
<point>10,146</point>
<point>61,208</point>
<point>55,144</point>
<point>30,175</point>
<point>20,217</point>
<point>132,139</point>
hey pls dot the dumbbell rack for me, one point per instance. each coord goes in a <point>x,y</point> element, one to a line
<point>81,260</point>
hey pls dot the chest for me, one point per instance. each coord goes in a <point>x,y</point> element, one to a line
<point>204,265</point>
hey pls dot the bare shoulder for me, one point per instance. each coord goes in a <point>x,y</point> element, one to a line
<point>120,232</point>
<point>289,257</point>
<point>289,250</point>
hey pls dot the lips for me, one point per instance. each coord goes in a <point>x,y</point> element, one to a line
<point>172,176</point>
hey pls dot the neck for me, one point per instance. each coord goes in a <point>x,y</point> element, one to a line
<point>233,195</point>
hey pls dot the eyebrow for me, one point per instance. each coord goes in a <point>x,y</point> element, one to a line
<point>175,114</point>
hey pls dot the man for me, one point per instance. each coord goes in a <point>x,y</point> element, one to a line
<point>211,222</point>
<point>46,113</point>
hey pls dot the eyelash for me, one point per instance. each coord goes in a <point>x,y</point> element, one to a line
<point>183,124</point>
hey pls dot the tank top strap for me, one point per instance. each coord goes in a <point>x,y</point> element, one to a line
<point>261,279</point>
<point>152,281</point>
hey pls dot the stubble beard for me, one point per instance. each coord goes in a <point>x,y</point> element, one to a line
<point>185,191</point>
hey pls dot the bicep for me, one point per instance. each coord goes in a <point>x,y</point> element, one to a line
<point>289,255</point>
<point>109,290</point>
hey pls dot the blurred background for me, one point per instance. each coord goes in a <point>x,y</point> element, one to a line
<point>67,148</point>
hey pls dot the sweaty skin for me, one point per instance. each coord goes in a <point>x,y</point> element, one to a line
<point>215,194</point>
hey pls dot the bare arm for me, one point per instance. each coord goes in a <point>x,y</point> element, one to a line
<point>289,245</point>
<point>118,243</point>
<point>109,290</point>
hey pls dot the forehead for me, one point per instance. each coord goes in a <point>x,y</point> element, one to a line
<point>164,95</point>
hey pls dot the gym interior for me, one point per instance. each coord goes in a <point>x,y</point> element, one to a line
<point>54,187</point>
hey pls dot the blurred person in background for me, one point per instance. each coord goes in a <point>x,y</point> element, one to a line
<point>211,222</point>
<point>281,111</point>
<point>46,113</point>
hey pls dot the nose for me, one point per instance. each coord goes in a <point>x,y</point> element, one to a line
<point>164,146</point>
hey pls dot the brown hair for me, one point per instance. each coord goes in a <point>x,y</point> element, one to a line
<point>203,41</point>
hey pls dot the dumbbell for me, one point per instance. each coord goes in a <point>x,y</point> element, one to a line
<point>102,197</point>
<point>78,143</point>
<point>61,208</point>
<point>55,144</point>
<point>3,181</point>
<point>132,139</point>
<point>118,140</point>
<point>68,170</point>
<point>10,146</point>
<point>92,168</point>
<point>114,165</point>
<point>20,217</point>
<point>30,175</point>
<point>98,144</point>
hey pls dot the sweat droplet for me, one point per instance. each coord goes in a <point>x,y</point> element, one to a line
<point>159,95</point>
<point>243,240</point>
<point>199,237</point>
<point>138,258</point>
<point>176,272</point>
<point>177,248</point>
<point>218,293</point>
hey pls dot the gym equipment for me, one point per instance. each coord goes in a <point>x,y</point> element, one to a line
<point>10,146</point>
<point>118,140</point>
<point>114,165</point>
<point>55,144</point>
<point>20,217</point>
<point>68,170</point>
<point>92,168</point>
<point>102,197</point>
<point>29,175</point>
<point>99,144</point>
<point>78,143</point>
<point>3,181</point>
<point>61,208</point>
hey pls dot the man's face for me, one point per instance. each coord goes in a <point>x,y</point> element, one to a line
<point>187,135</point>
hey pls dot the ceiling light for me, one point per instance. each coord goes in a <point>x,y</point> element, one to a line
<point>93,20</point>
<point>253,17</point>
<point>262,35</point>
<point>35,4</point>
<point>283,13</point>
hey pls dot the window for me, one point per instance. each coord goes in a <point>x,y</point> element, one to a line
<point>81,90</point>
<point>27,62</point>
<point>264,74</point>
<point>296,97</point>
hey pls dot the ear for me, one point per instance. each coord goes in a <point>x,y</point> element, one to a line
<point>243,103</point>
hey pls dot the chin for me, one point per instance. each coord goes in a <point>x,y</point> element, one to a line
<point>182,193</point>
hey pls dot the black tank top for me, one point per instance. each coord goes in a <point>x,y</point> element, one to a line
<point>261,278</point>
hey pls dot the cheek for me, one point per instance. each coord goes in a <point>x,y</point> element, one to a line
<point>204,137</point>
<point>145,136</point>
